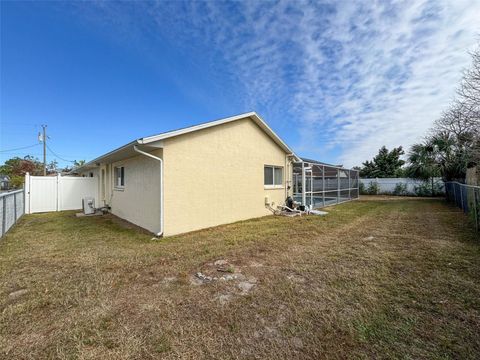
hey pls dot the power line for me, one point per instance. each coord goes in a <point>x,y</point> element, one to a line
<point>20,148</point>
<point>58,156</point>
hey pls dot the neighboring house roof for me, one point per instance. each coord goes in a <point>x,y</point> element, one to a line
<point>127,150</point>
<point>4,178</point>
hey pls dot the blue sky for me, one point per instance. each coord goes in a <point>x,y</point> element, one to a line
<point>336,80</point>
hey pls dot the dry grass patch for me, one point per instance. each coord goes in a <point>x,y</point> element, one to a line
<point>372,279</point>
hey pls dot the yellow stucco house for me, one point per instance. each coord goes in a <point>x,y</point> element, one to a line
<point>197,177</point>
<point>210,174</point>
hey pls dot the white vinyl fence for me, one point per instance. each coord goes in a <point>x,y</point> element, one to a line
<point>11,209</point>
<point>387,185</point>
<point>58,193</point>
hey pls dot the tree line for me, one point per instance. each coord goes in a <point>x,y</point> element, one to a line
<point>16,168</point>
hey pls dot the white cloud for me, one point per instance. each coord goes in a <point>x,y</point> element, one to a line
<point>352,76</point>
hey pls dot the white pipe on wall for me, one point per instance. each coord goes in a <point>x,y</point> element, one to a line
<point>161,184</point>
<point>304,195</point>
<point>288,174</point>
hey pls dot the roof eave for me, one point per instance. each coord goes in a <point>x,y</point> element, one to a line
<point>258,120</point>
<point>95,162</point>
<point>156,138</point>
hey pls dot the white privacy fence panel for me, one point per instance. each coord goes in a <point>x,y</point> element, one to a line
<point>72,190</point>
<point>58,193</point>
<point>11,209</point>
<point>42,193</point>
<point>387,185</point>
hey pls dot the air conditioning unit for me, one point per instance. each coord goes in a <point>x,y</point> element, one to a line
<point>88,205</point>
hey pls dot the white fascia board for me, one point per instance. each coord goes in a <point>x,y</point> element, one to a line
<point>189,129</point>
<point>159,144</point>
<point>156,141</point>
<point>94,163</point>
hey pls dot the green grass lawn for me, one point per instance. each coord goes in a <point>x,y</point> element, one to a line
<point>373,279</point>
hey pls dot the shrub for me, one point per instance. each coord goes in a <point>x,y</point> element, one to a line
<point>438,188</point>
<point>361,188</point>
<point>16,181</point>
<point>425,189</point>
<point>373,188</point>
<point>400,189</point>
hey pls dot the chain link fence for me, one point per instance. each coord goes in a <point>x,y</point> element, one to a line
<point>12,208</point>
<point>466,197</point>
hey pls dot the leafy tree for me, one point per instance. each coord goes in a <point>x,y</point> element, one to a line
<point>16,181</point>
<point>52,167</point>
<point>454,140</point>
<point>17,167</point>
<point>452,155</point>
<point>385,164</point>
<point>457,135</point>
<point>76,163</point>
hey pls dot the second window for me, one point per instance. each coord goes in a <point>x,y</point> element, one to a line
<point>273,175</point>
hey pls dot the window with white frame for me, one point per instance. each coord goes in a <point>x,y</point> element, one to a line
<point>273,176</point>
<point>119,177</point>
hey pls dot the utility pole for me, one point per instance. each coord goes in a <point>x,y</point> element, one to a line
<point>44,138</point>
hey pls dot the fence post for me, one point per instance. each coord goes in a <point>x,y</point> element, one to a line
<point>461,199</point>
<point>455,194</point>
<point>4,213</point>
<point>58,192</point>
<point>349,184</point>
<point>26,194</point>
<point>338,186</point>
<point>15,208</point>
<point>311,187</point>
<point>323,184</point>
<point>475,206</point>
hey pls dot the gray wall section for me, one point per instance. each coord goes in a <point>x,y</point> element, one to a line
<point>11,209</point>
<point>139,201</point>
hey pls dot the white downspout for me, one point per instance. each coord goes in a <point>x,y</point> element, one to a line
<point>289,159</point>
<point>304,183</point>
<point>161,184</point>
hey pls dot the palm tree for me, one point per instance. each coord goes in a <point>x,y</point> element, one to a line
<point>423,163</point>
<point>451,155</point>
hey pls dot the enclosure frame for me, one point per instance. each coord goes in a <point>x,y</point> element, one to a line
<point>316,184</point>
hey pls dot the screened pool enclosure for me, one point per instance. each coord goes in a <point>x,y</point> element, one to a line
<point>316,184</point>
